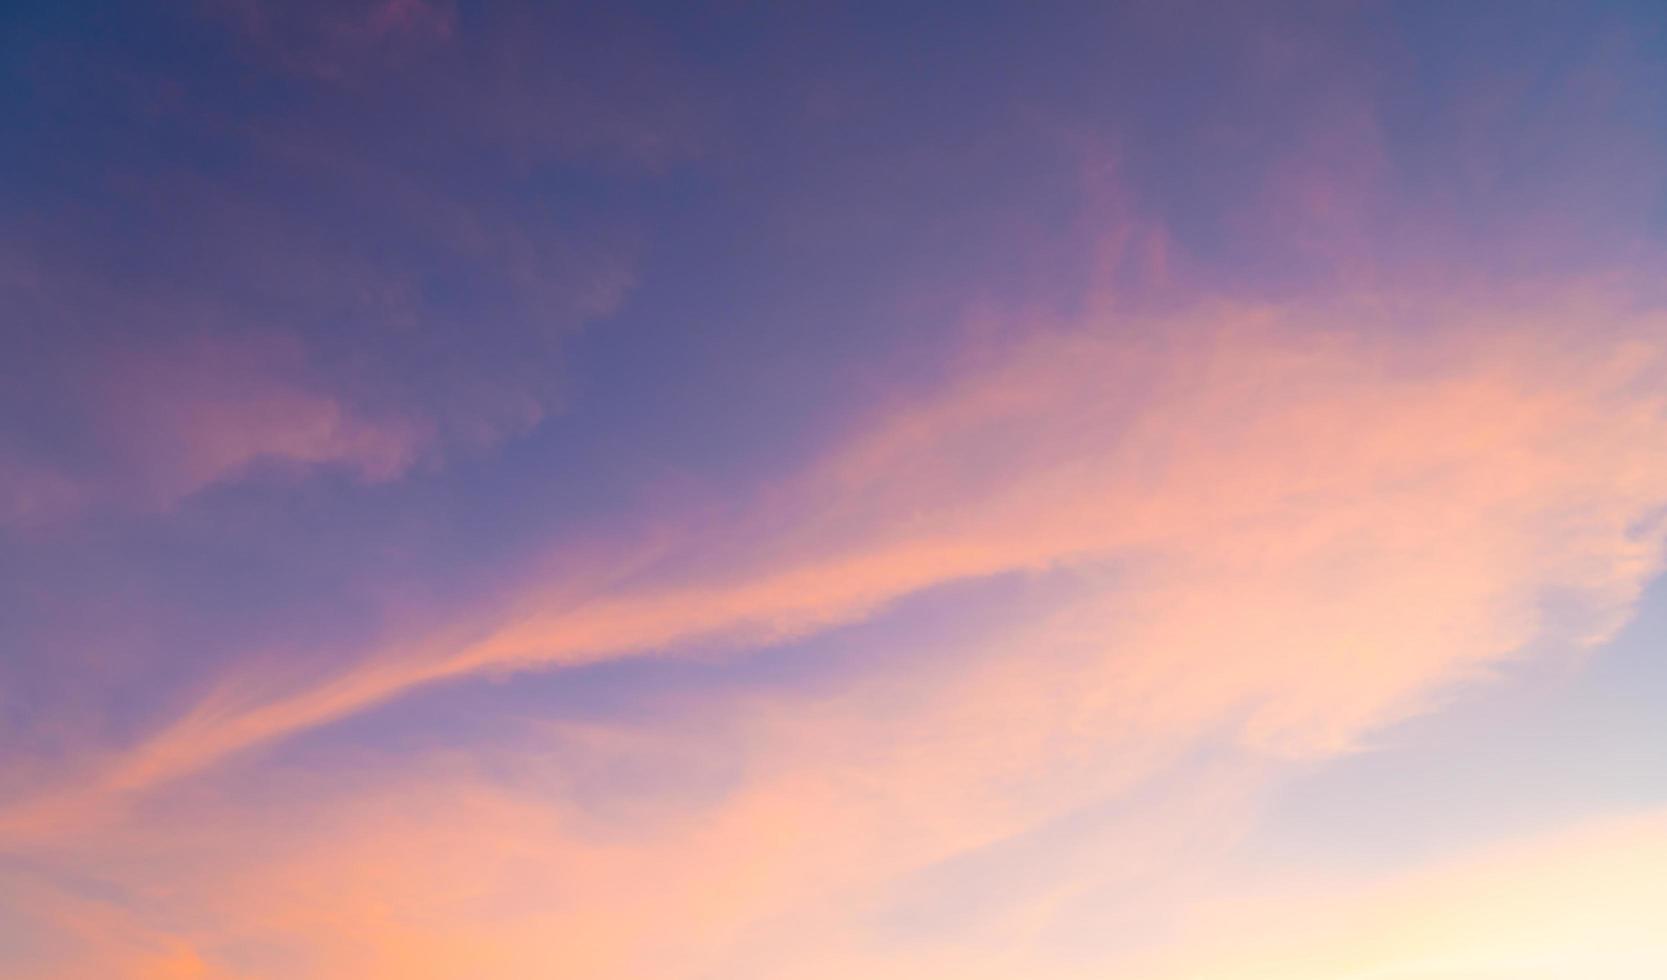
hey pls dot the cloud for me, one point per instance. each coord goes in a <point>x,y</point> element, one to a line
<point>1315,472</point>
<point>206,410</point>
<point>988,686</point>
<point>325,279</point>
<point>1251,533</point>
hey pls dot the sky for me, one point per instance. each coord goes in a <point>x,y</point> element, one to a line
<point>1155,490</point>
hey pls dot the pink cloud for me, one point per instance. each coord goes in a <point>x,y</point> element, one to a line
<point>1262,530</point>
<point>1234,442</point>
<point>300,308</point>
<point>1241,536</point>
<point>204,411</point>
<point>173,419</point>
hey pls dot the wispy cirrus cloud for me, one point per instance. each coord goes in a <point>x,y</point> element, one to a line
<point>1255,531</point>
<point>991,681</point>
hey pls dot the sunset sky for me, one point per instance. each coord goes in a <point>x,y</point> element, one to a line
<point>816,490</point>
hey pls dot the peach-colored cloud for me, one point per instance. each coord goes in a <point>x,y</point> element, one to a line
<point>439,872</point>
<point>1253,533</point>
<point>1366,516</point>
<point>69,935</point>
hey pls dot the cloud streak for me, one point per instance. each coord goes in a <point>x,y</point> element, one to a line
<point>1267,531</point>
